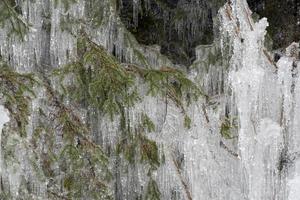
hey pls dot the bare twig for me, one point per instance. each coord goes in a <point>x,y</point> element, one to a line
<point>57,195</point>
<point>205,113</point>
<point>228,150</point>
<point>184,184</point>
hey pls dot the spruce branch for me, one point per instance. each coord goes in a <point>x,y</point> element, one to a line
<point>10,17</point>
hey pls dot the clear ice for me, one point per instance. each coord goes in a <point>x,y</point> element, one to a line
<point>261,99</point>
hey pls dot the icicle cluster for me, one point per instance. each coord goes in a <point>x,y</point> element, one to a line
<point>243,142</point>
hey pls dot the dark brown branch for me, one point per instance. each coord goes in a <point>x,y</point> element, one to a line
<point>228,150</point>
<point>205,113</point>
<point>57,195</point>
<point>184,184</point>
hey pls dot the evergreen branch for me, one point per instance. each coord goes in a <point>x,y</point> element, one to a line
<point>73,129</point>
<point>8,14</point>
<point>15,14</point>
<point>17,91</point>
<point>57,195</point>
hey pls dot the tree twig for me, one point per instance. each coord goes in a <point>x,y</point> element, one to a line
<point>184,184</point>
<point>228,150</point>
<point>205,113</point>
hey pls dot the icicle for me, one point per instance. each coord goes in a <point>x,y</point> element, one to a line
<point>4,118</point>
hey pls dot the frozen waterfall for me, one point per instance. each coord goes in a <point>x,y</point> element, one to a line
<point>244,137</point>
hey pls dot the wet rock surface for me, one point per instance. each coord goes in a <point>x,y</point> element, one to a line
<point>283,17</point>
<point>160,22</point>
<point>178,26</point>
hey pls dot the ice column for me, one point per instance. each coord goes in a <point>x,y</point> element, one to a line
<point>4,118</point>
<point>259,136</point>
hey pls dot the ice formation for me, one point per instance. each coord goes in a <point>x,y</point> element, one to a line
<point>255,97</point>
<point>4,118</point>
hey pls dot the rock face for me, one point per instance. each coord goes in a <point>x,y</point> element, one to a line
<point>90,113</point>
<point>284,19</point>
<point>178,26</point>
